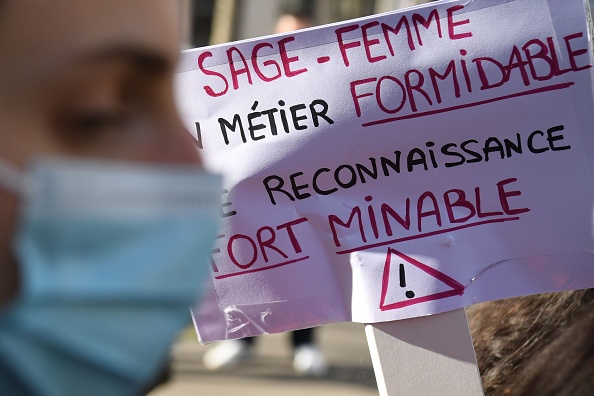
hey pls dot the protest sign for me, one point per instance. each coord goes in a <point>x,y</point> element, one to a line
<point>396,166</point>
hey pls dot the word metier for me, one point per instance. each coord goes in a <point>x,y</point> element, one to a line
<point>268,121</point>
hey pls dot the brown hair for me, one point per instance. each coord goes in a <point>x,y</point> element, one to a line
<point>536,345</point>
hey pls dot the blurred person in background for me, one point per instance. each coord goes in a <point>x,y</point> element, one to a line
<point>308,360</point>
<point>106,217</point>
<point>294,15</point>
<point>530,345</point>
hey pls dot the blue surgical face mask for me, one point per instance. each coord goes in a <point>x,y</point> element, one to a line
<point>111,257</point>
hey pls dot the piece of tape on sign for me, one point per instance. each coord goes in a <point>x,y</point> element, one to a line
<point>396,166</point>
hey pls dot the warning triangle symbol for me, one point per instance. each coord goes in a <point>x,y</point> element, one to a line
<point>405,282</point>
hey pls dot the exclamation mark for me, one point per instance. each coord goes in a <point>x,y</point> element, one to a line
<point>198,139</point>
<point>409,293</point>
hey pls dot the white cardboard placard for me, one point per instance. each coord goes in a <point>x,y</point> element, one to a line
<point>396,166</point>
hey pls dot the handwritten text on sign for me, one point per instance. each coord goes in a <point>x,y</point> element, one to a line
<point>396,166</point>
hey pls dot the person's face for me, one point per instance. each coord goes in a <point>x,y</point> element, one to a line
<point>85,78</point>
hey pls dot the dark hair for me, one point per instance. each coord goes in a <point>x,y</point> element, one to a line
<point>299,8</point>
<point>536,345</point>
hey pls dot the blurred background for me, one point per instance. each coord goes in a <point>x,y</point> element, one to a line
<point>270,371</point>
<point>206,22</point>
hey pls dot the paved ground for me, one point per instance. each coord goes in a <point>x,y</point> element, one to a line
<point>271,373</point>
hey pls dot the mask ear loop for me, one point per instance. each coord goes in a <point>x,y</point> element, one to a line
<point>11,177</point>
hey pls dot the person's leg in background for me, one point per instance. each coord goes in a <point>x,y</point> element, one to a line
<point>228,354</point>
<point>308,360</point>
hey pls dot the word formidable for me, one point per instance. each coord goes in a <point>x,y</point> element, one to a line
<point>416,90</point>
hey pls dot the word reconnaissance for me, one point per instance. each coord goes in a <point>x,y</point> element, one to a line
<point>326,181</point>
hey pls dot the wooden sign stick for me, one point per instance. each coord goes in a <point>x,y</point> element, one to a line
<point>431,355</point>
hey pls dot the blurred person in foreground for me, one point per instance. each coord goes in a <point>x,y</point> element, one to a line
<point>106,216</point>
